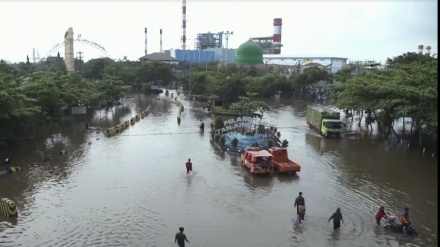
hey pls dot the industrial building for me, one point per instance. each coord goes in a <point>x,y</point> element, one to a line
<point>194,56</point>
<point>271,44</point>
<point>333,64</point>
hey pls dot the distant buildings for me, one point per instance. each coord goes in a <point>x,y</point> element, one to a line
<point>331,64</point>
<point>159,57</point>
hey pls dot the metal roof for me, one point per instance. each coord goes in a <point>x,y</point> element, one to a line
<point>158,56</point>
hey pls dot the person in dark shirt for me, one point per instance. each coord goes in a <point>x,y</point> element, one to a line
<point>6,164</point>
<point>188,166</point>
<point>180,238</point>
<point>202,125</point>
<point>299,201</point>
<point>337,218</point>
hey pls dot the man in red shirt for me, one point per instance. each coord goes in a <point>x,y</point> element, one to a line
<point>189,166</point>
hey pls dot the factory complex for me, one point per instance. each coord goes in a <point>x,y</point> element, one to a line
<point>265,50</point>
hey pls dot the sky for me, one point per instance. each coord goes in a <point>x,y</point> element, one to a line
<point>353,29</point>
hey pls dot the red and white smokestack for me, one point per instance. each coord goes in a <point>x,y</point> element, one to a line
<point>161,40</point>
<point>428,50</point>
<point>183,24</point>
<point>420,49</point>
<point>277,23</point>
<point>146,41</point>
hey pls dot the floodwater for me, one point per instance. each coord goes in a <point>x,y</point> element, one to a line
<point>132,189</point>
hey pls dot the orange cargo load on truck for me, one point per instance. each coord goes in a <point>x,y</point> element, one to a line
<point>281,161</point>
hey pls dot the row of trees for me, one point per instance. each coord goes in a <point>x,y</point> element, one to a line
<point>28,97</point>
<point>408,87</point>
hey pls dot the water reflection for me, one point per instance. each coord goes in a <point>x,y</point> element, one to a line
<point>79,199</point>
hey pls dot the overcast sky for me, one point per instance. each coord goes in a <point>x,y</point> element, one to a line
<point>357,29</point>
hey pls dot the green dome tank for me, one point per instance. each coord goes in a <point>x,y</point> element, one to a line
<point>249,53</point>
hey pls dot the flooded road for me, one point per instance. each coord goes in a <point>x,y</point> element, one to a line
<point>132,189</point>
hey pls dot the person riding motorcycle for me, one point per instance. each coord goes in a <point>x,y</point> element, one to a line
<point>404,218</point>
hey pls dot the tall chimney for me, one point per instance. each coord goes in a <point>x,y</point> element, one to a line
<point>69,59</point>
<point>161,40</point>
<point>420,49</point>
<point>146,41</point>
<point>428,50</point>
<point>183,24</point>
<point>277,23</point>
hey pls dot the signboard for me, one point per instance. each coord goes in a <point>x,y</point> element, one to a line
<point>76,110</point>
<point>239,122</point>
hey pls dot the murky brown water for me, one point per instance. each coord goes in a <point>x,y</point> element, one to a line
<point>133,190</point>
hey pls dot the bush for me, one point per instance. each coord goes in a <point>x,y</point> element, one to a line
<point>278,134</point>
<point>255,144</point>
<point>218,123</point>
<point>285,143</point>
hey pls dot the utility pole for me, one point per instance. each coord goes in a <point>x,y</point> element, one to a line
<point>227,33</point>
<point>80,61</point>
<point>189,79</point>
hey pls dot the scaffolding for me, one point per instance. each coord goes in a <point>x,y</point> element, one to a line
<point>208,40</point>
<point>266,43</point>
<point>361,66</point>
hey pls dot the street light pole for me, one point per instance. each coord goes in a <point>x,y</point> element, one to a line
<point>189,79</point>
<point>227,33</point>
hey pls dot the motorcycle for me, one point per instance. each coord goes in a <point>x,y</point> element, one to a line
<point>397,227</point>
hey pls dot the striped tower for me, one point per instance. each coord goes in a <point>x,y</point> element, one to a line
<point>428,50</point>
<point>184,25</point>
<point>161,40</point>
<point>277,23</point>
<point>146,41</point>
<point>420,49</point>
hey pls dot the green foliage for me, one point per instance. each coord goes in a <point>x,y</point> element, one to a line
<point>310,76</point>
<point>285,143</point>
<point>154,71</point>
<point>255,144</point>
<point>344,74</point>
<point>409,58</point>
<point>218,123</point>
<point>248,106</point>
<point>406,89</point>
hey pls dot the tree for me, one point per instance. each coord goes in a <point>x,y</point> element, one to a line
<point>249,106</point>
<point>14,105</point>
<point>408,58</point>
<point>405,90</point>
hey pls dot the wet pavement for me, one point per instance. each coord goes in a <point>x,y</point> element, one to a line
<point>132,189</point>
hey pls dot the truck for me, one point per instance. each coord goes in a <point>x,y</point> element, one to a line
<point>281,162</point>
<point>324,120</point>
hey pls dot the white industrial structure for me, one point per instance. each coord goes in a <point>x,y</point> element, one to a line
<point>69,58</point>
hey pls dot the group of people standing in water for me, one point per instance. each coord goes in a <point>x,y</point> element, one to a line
<point>337,216</point>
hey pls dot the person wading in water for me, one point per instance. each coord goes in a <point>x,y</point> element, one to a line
<point>189,166</point>
<point>300,201</point>
<point>180,238</point>
<point>337,218</point>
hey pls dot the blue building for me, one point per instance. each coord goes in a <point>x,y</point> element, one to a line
<point>194,56</point>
